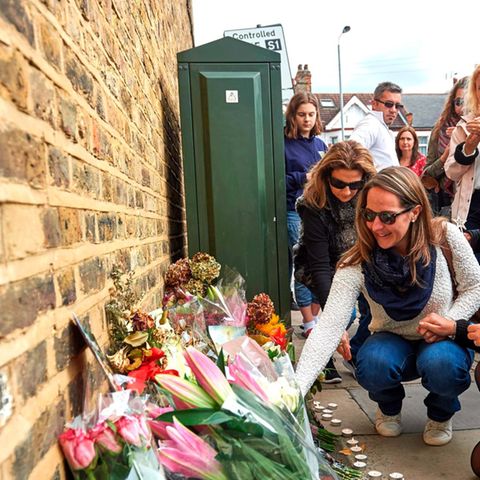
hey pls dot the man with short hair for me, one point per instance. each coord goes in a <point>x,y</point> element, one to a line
<point>373,130</point>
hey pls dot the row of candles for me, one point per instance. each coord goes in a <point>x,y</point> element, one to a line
<point>360,458</point>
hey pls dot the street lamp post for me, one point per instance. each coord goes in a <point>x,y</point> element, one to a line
<point>346,29</point>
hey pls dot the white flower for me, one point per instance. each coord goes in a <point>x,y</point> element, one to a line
<point>282,394</point>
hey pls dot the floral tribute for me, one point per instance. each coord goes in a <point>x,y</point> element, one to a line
<point>118,446</point>
<point>256,425</point>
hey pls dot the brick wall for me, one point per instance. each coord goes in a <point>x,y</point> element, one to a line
<point>90,175</point>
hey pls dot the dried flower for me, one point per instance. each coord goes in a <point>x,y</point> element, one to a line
<point>260,309</point>
<point>178,273</point>
<point>204,267</point>
<point>142,321</point>
<point>119,360</point>
<point>195,287</point>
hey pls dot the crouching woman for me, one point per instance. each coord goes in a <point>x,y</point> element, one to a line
<point>398,265</point>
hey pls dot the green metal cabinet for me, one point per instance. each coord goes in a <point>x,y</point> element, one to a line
<point>232,138</point>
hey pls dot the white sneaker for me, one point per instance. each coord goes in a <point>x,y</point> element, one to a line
<point>437,433</point>
<point>388,425</point>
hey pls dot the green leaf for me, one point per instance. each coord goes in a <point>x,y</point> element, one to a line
<point>221,361</point>
<point>197,416</point>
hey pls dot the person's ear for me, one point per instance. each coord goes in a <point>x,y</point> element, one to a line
<point>415,212</point>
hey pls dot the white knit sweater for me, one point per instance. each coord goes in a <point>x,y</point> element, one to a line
<point>349,282</point>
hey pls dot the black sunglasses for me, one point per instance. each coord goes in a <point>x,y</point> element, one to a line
<point>458,102</point>
<point>388,218</point>
<point>336,183</point>
<point>390,104</point>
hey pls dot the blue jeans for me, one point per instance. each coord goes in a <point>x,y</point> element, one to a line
<point>303,296</point>
<point>362,332</point>
<point>385,360</point>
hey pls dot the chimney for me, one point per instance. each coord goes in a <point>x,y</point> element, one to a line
<point>303,80</point>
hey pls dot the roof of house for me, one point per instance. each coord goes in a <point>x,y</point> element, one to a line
<point>426,107</point>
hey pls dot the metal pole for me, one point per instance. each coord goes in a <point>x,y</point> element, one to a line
<point>346,29</point>
<point>340,84</point>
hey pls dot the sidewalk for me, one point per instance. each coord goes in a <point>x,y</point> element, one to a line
<point>407,453</point>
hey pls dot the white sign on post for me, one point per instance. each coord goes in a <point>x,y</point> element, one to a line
<point>270,37</point>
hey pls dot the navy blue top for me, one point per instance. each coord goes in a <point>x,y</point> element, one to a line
<point>300,156</point>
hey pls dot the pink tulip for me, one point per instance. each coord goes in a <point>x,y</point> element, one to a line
<point>133,429</point>
<point>104,436</point>
<point>78,448</point>
<point>241,376</point>
<point>208,375</point>
<point>187,454</point>
<point>185,393</point>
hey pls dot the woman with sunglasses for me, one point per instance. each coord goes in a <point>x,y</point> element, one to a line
<point>434,179</point>
<point>406,146</point>
<point>327,210</point>
<point>463,163</point>
<point>303,149</point>
<point>397,263</point>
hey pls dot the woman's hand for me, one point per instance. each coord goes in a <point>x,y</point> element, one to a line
<point>473,138</point>
<point>344,347</point>
<point>449,131</point>
<point>474,334</point>
<point>434,328</point>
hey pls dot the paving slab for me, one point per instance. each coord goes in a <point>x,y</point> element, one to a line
<point>407,453</point>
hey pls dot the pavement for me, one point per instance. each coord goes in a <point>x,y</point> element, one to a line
<point>407,453</point>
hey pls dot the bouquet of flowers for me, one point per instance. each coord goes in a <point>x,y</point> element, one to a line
<point>244,428</point>
<point>116,446</point>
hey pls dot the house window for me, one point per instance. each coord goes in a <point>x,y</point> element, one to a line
<point>327,102</point>
<point>423,144</point>
<point>334,140</point>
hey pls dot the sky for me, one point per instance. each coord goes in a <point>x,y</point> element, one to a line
<point>417,44</point>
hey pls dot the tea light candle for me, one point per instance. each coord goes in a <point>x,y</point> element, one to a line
<point>352,441</point>
<point>361,456</point>
<point>335,422</point>
<point>359,464</point>
<point>332,406</point>
<point>356,449</point>
<point>326,410</point>
<point>327,416</point>
<point>347,432</point>
<point>319,407</point>
<point>374,474</point>
<point>396,476</point>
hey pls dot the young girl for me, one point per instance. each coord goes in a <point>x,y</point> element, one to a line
<point>303,149</point>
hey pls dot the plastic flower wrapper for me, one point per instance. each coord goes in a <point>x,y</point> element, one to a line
<point>254,438</point>
<point>114,443</point>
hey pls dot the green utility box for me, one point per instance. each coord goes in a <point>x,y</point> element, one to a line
<point>232,137</point>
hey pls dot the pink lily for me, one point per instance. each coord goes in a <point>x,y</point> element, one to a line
<point>241,376</point>
<point>104,436</point>
<point>78,448</point>
<point>187,454</point>
<point>186,393</point>
<point>208,375</point>
<point>158,428</point>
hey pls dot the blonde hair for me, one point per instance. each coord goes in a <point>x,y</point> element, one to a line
<point>422,233</point>
<point>349,155</point>
<point>472,104</point>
